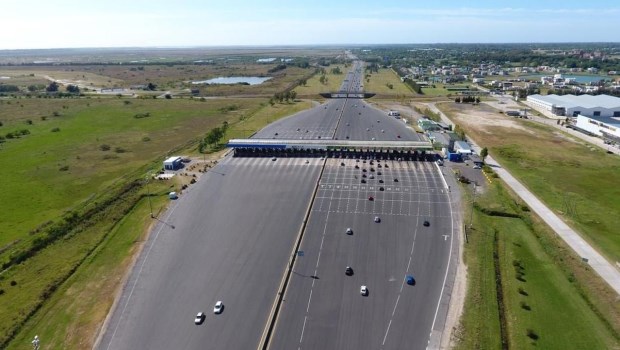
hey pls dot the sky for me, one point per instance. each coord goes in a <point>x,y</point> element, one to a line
<point>32,24</point>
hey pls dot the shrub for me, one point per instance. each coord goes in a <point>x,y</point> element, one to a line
<point>1,291</point>
<point>104,147</point>
<point>146,139</point>
<point>55,129</point>
<point>13,283</point>
<point>64,168</point>
<point>532,334</point>
<point>525,306</point>
<point>120,150</point>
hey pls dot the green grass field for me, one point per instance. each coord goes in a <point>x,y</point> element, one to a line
<point>572,178</point>
<point>35,182</point>
<point>70,312</point>
<point>313,86</point>
<point>380,83</point>
<point>546,291</point>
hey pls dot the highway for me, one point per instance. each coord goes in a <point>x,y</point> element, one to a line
<point>234,232</point>
<point>328,312</point>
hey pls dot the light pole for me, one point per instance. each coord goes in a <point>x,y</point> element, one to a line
<point>148,193</point>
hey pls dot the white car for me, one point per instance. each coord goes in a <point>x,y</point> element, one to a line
<point>477,167</point>
<point>364,290</point>
<point>200,318</point>
<point>377,219</point>
<point>219,306</point>
<point>349,231</point>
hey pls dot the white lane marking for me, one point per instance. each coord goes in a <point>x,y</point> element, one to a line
<point>309,299</point>
<point>386,332</point>
<point>317,265</point>
<point>445,278</point>
<point>302,331</point>
<point>415,234</point>
<point>161,226</point>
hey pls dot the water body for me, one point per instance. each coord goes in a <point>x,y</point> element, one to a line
<point>582,79</point>
<point>234,80</point>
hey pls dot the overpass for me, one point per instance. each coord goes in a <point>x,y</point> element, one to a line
<point>344,94</point>
<point>408,150</point>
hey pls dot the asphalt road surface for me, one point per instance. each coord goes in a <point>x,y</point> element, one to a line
<point>234,231</point>
<point>327,311</point>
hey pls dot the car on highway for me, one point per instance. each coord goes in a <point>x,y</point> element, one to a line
<point>377,219</point>
<point>364,291</point>
<point>349,231</point>
<point>348,271</point>
<point>410,280</point>
<point>273,159</point>
<point>200,318</point>
<point>218,308</point>
<point>426,223</point>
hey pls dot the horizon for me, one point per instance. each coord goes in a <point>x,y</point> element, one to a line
<point>196,24</point>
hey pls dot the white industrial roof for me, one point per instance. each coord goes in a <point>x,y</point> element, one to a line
<point>172,159</point>
<point>586,101</point>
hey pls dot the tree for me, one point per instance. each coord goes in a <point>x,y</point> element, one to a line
<point>151,87</point>
<point>484,153</point>
<point>74,89</point>
<point>53,87</point>
<point>293,95</point>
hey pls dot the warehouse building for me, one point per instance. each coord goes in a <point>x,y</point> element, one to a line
<point>573,105</point>
<point>606,127</point>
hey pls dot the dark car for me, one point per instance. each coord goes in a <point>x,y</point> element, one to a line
<point>426,223</point>
<point>363,181</point>
<point>395,180</point>
<point>341,163</point>
<point>357,167</point>
<point>381,189</point>
<point>363,170</point>
<point>364,175</point>
<point>410,280</point>
<point>371,198</point>
<point>380,181</point>
<point>348,271</point>
<point>379,173</point>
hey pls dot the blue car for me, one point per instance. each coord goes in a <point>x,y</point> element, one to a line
<point>410,280</point>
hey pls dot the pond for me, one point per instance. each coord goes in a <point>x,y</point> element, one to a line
<point>234,80</point>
